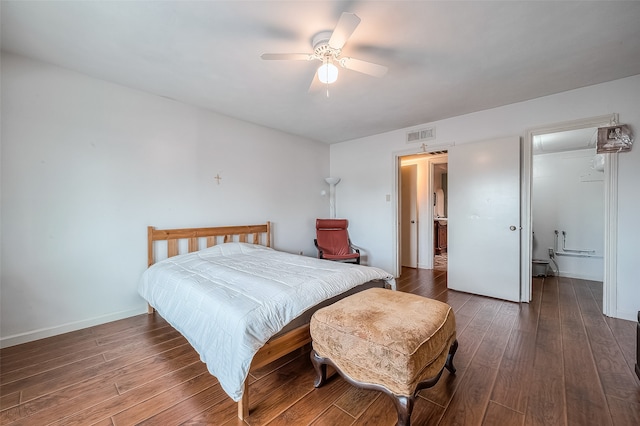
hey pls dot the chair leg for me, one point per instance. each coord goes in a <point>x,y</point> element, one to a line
<point>404,404</point>
<point>319,364</point>
<point>404,407</point>
<point>452,352</point>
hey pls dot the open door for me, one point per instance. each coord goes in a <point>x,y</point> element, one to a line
<point>409,216</point>
<point>484,218</point>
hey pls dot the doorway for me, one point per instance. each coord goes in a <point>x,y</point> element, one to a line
<point>416,202</point>
<point>568,205</point>
<point>440,192</point>
<point>471,241</point>
<point>610,172</point>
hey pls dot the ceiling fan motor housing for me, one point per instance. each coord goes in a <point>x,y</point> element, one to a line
<point>321,46</point>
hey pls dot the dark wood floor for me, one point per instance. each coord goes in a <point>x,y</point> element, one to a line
<point>555,361</point>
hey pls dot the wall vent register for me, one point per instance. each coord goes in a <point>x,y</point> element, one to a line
<point>421,135</point>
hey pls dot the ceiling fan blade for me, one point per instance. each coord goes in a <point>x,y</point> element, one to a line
<point>345,27</point>
<point>286,56</point>
<point>364,67</point>
<point>315,85</point>
<point>318,87</point>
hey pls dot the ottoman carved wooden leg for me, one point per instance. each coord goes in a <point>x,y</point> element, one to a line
<point>393,342</point>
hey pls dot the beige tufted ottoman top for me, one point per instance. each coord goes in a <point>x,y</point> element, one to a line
<point>385,337</point>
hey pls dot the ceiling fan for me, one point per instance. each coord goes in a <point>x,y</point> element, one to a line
<point>327,47</point>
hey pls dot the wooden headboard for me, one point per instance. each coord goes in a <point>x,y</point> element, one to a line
<point>197,237</point>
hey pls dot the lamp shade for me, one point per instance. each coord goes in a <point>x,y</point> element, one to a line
<point>332,180</point>
<point>327,73</point>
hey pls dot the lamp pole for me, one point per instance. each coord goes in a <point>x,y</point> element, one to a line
<point>332,181</point>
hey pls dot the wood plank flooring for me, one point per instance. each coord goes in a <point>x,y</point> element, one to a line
<point>554,361</point>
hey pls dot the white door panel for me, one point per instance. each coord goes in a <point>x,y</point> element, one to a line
<point>484,218</point>
<point>409,209</point>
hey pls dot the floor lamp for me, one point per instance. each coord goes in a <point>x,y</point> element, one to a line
<point>332,181</point>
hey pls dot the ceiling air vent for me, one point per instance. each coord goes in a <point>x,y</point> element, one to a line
<point>421,135</point>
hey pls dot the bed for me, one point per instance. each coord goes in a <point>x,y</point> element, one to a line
<point>240,303</point>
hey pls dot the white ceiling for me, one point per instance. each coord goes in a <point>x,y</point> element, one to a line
<point>444,58</point>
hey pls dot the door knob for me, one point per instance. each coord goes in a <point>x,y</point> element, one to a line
<point>513,228</point>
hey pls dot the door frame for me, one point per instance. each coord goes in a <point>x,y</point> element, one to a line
<point>609,285</point>
<point>441,159</point>
<point>395,197</point>
<point>413,230</point>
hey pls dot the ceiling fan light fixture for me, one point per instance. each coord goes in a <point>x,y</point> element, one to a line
<point>327,48</point>
<point>327,73</point>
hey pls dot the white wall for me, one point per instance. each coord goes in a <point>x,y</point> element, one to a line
<point>87,165</point>
<point>568,195</point>
<point>367,166</point>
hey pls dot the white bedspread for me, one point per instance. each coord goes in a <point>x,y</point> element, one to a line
<point>228,300</point>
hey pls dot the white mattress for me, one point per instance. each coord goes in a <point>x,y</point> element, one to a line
<point>228,300</point>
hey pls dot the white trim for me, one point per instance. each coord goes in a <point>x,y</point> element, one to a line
<point>610,281</point>
<point>627,315</point>
<point>578,276</point>
<point>433,161</point>
<point>42,333</point>
<point>610,284</point>
<point>430,236</point>
<point>526,218</point>
<point>396,214</point>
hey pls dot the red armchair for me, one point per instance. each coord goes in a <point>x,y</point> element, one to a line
<point>333,243</point>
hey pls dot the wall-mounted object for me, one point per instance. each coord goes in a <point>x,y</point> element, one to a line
<point>570,252</point>
<point>426,134</point>
<point>616,138</point>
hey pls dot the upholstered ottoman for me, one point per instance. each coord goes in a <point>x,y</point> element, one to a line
<point>394,342</point>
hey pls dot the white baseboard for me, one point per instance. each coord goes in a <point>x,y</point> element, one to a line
<point>580,277</point>
<point>631,316</point>
<point>42,333</point>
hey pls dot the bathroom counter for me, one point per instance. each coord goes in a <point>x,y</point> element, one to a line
<point>440,235</point>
